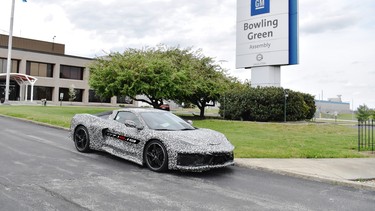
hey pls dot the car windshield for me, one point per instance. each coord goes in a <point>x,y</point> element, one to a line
<point>165,121</point>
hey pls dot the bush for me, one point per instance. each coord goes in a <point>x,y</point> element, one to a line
<point>266,104</point>
<point>364,113</point>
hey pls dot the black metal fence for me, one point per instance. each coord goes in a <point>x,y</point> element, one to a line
<point>366,135</point>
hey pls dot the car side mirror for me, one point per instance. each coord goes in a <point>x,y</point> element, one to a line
<point>190,122</point>
<point>132,124</point>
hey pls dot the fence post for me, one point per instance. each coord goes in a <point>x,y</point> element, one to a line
<point>359,135</point>
<point>366,135</point>
<point>369,133</point>
<point>362,125</point>
<point>372,127</point>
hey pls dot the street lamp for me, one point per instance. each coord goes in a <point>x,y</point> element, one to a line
<point>9,59</point>
<point>285,97</point>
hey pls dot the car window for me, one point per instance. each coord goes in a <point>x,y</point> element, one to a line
<point>165,121</point>
<point>122,116</point>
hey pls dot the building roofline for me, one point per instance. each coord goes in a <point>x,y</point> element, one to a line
<point>54,54</point>
<point>332,102</point>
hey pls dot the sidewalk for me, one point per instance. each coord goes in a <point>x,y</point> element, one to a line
<point>355,172</point>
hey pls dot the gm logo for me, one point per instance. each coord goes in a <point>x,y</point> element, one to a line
<point>259,7</point>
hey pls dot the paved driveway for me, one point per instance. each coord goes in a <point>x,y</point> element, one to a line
<point>41,170</point>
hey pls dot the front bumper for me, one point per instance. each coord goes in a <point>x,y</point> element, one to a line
<point>201,162</point>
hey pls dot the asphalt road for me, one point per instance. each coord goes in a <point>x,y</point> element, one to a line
<point>41,170</point>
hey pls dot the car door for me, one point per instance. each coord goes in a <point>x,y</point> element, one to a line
<point>125,138</point>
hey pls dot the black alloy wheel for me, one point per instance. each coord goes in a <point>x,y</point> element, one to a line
<point>156,156</point>
<point>81,139</point>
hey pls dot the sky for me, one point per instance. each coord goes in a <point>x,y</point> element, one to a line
<point>336,37</point>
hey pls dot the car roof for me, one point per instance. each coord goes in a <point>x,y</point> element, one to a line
<point>135,110</point>
<point>140,110</point>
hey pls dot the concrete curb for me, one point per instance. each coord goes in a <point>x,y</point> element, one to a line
<point>347,183</point>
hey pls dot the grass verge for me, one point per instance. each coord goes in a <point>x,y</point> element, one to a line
<point>251,139</point>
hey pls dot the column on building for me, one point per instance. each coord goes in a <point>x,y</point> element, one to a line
<point>85,95</point>
<point>56,78</point>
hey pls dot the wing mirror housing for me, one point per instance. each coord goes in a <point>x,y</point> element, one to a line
<point>132,124</point>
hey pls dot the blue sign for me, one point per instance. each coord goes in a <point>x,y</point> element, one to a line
<point>259,7</point>
<point>293,32</point>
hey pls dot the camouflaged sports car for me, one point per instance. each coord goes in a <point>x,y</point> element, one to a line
<point>155,138</point>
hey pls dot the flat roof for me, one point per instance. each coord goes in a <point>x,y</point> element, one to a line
<point>330,102</point>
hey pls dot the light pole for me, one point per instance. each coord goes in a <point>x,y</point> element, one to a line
<point>9,59</point>
<point>285,97</point>
<point>221,63</point>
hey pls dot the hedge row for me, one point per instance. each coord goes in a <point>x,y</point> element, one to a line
<point>266,104</point>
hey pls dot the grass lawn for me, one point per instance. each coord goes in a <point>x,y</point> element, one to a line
<point>291,140</point>
<point>54,115</point>
<point>251,139</point>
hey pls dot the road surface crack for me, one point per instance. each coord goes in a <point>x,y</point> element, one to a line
<point>57,195</point>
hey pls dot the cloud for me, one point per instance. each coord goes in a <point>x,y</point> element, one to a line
<point>183,22</point>
<point>336,36</point>
<point>328,23</point>
<point>335,15</point>
<point>323,16</point>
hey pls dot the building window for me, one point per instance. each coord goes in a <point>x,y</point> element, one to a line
<point>14,90</point>
<point>94,98</point>
<point>13,67</point>
<point>65,91</point>
<point>40,92</point>
<point>39,69</point>
<point>71,72</point>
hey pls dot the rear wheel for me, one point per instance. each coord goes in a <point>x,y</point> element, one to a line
<point>81,139</point>
<point>156,156</point>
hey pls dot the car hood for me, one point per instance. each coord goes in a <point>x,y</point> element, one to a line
<point>197,137</point>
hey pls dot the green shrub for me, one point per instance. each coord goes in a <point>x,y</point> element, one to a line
<point>266,104</point>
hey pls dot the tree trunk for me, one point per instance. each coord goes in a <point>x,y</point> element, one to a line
<point>155,103</point>
<point>201,107</point>
<point>202,112</point>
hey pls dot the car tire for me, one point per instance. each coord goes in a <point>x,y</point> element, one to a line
<point>81,139</point>
<point>156,156</point>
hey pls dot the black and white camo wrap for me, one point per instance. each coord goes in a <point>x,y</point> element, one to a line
<point>199,141</point>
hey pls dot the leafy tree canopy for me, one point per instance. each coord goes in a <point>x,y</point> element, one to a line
<point>151,72</point>
<point>161,73</point>
<point>364,113</point>
<point>207,81</point>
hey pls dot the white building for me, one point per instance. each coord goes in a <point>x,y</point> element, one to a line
<point>332,106</point>
<point>55,73</point>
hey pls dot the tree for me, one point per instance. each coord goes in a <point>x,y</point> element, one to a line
<point>206,82</point>
<point>150,72</point>
<point>161,73</point>
<point>363,113</point>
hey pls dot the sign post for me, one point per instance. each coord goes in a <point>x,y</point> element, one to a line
<point>61,98</point>
<point>267,38</point>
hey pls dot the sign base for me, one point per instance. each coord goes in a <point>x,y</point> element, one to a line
<point>265,76</point>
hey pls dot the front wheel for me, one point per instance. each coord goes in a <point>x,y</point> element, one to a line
<point>156,156</point>
<point>81,139</point>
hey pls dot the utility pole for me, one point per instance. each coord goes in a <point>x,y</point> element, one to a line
<point>9,59</point>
